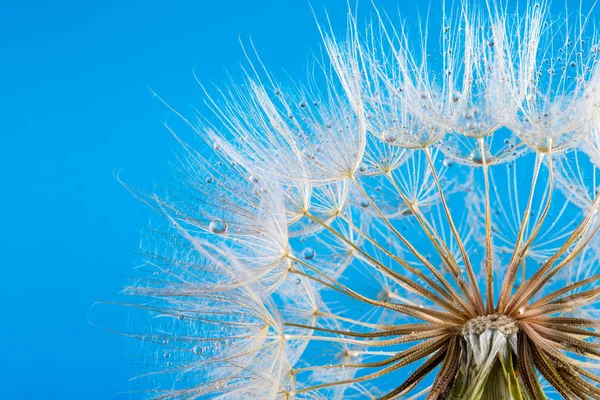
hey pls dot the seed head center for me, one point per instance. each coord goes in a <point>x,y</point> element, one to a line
<point>498,322</point>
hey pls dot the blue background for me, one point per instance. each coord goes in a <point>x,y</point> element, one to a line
<point>75,108</point>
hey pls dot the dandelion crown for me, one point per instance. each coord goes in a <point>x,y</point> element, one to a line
<point>420,224</point>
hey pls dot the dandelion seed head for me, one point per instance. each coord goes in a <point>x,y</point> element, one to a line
<point>421,220</point>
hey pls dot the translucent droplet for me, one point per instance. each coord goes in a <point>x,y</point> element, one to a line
<point>308,253</point>
<point>166,355</point>
<point>364,203</point>
<point>217,226</point>
<point>209,179</point>
<point>455,97</point>
<point>181,317</point>
<point>448,163</point>
<point>254,179</point>
<point>197,349</point>
<point>389,137</point>
<point>475,156</point>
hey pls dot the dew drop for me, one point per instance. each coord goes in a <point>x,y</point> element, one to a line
<point>389,137</point>
<point>217,227</point>
<point>197,349</point>
<point>166,355</point>
<point>308,253</point>
<point>254,178</point>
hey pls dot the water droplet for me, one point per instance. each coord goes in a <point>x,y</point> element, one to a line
<point>469,114</point>
<point>389,137</point>
<point>209,179</point>
<point>447,162</point>
<point>308,253</point>
<point>254,179</point>
<point>166,355</point>
<point>181,317</point>
<point>217,226</point>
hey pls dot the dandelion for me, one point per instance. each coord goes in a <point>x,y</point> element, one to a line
<point>418,222</point>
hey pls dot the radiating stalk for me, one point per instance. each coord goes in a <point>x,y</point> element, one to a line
<point>511,272</point>
<point>442,250</point>
<point>470,273</point>
<point>392,274</point>
<point>489,252</point>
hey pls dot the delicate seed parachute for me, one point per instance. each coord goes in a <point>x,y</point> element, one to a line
<point>418,222</point>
